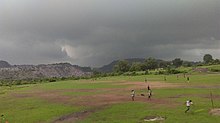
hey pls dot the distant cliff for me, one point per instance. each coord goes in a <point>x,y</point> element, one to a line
<point>18,72</point>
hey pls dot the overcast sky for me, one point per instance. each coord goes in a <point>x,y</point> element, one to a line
<point>95,32</point>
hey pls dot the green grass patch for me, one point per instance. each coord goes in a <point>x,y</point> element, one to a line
<point>35,110</point>
<point>30,110</point>
<point>178,78</point>
<point>71,84</point>
<point>197,79</point>
<point>119,113</point>
<point>135,112</point>
<point>211,67</point>
<point>140,78</point>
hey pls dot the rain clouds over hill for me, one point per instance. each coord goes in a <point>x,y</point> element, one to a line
<point>94,32</point>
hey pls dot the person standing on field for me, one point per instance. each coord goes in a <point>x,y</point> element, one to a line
<point>2,118</point>
<point>188,79</point>
<point>148,87</point>
<point>165,78</point>
<point>132,95</point>
<point>149,92</point>
<point>188,104</point>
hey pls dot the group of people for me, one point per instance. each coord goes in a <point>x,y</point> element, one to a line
<point>149,93</point>
<point>188,102</point>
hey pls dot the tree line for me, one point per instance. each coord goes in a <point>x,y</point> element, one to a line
<point>152,63</point>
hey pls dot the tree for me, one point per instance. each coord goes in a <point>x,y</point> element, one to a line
<point>163,64</point>
<point>96,73</point>
<point>150,63</point>
<point>122,66</point>
<point>177,62</point>
<point>187,64</point>
<point>207,58</point>
<point>216,61</point>
<point>136,66</point>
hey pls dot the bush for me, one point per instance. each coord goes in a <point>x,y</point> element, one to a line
<point>173,71</point>
<point>63,78</point>
<point>156,73</point>
<point>104,75</point>
<point>146,72</point>
<point>18,83</point>
<point>161,72</point>
<point>215,70</point>
<point>133,73</point>
<point>52,80</point>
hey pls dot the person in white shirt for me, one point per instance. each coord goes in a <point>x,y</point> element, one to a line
<point>132,95</point>
<point>188,104</point>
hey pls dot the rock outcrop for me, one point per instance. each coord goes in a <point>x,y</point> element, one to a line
<point>59,70</point>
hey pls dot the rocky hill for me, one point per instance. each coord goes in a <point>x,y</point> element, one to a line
<point>18,72</point>
<point>4,64</point>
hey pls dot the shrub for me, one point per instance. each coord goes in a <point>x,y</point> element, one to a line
<point>173,71</point>
<point>161,72</point>
<point>215,70</point>
<point>52,80</point>
<point>146,72</point>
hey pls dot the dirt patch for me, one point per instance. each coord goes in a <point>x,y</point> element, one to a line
<point>72,118</point>
<point>108,99</point>
<point>215,112</point>
<point>51,96</point>
<point>105,96</point>
<point>201,70</point>
<point>154,118</point>
<point>101,101</point>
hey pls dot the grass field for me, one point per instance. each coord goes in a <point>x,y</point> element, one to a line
<point>108,100</point>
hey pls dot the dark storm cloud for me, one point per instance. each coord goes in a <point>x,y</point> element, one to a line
<point>94,32</point>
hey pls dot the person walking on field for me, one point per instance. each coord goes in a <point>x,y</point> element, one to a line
<point>188,104</point>
<point>149,92</point>
<point>145,80</point>
<point>148,87</point>
<point>132,95</point>
<point>188,79</point>
<point>165,78</point>
<point>2,119</point>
